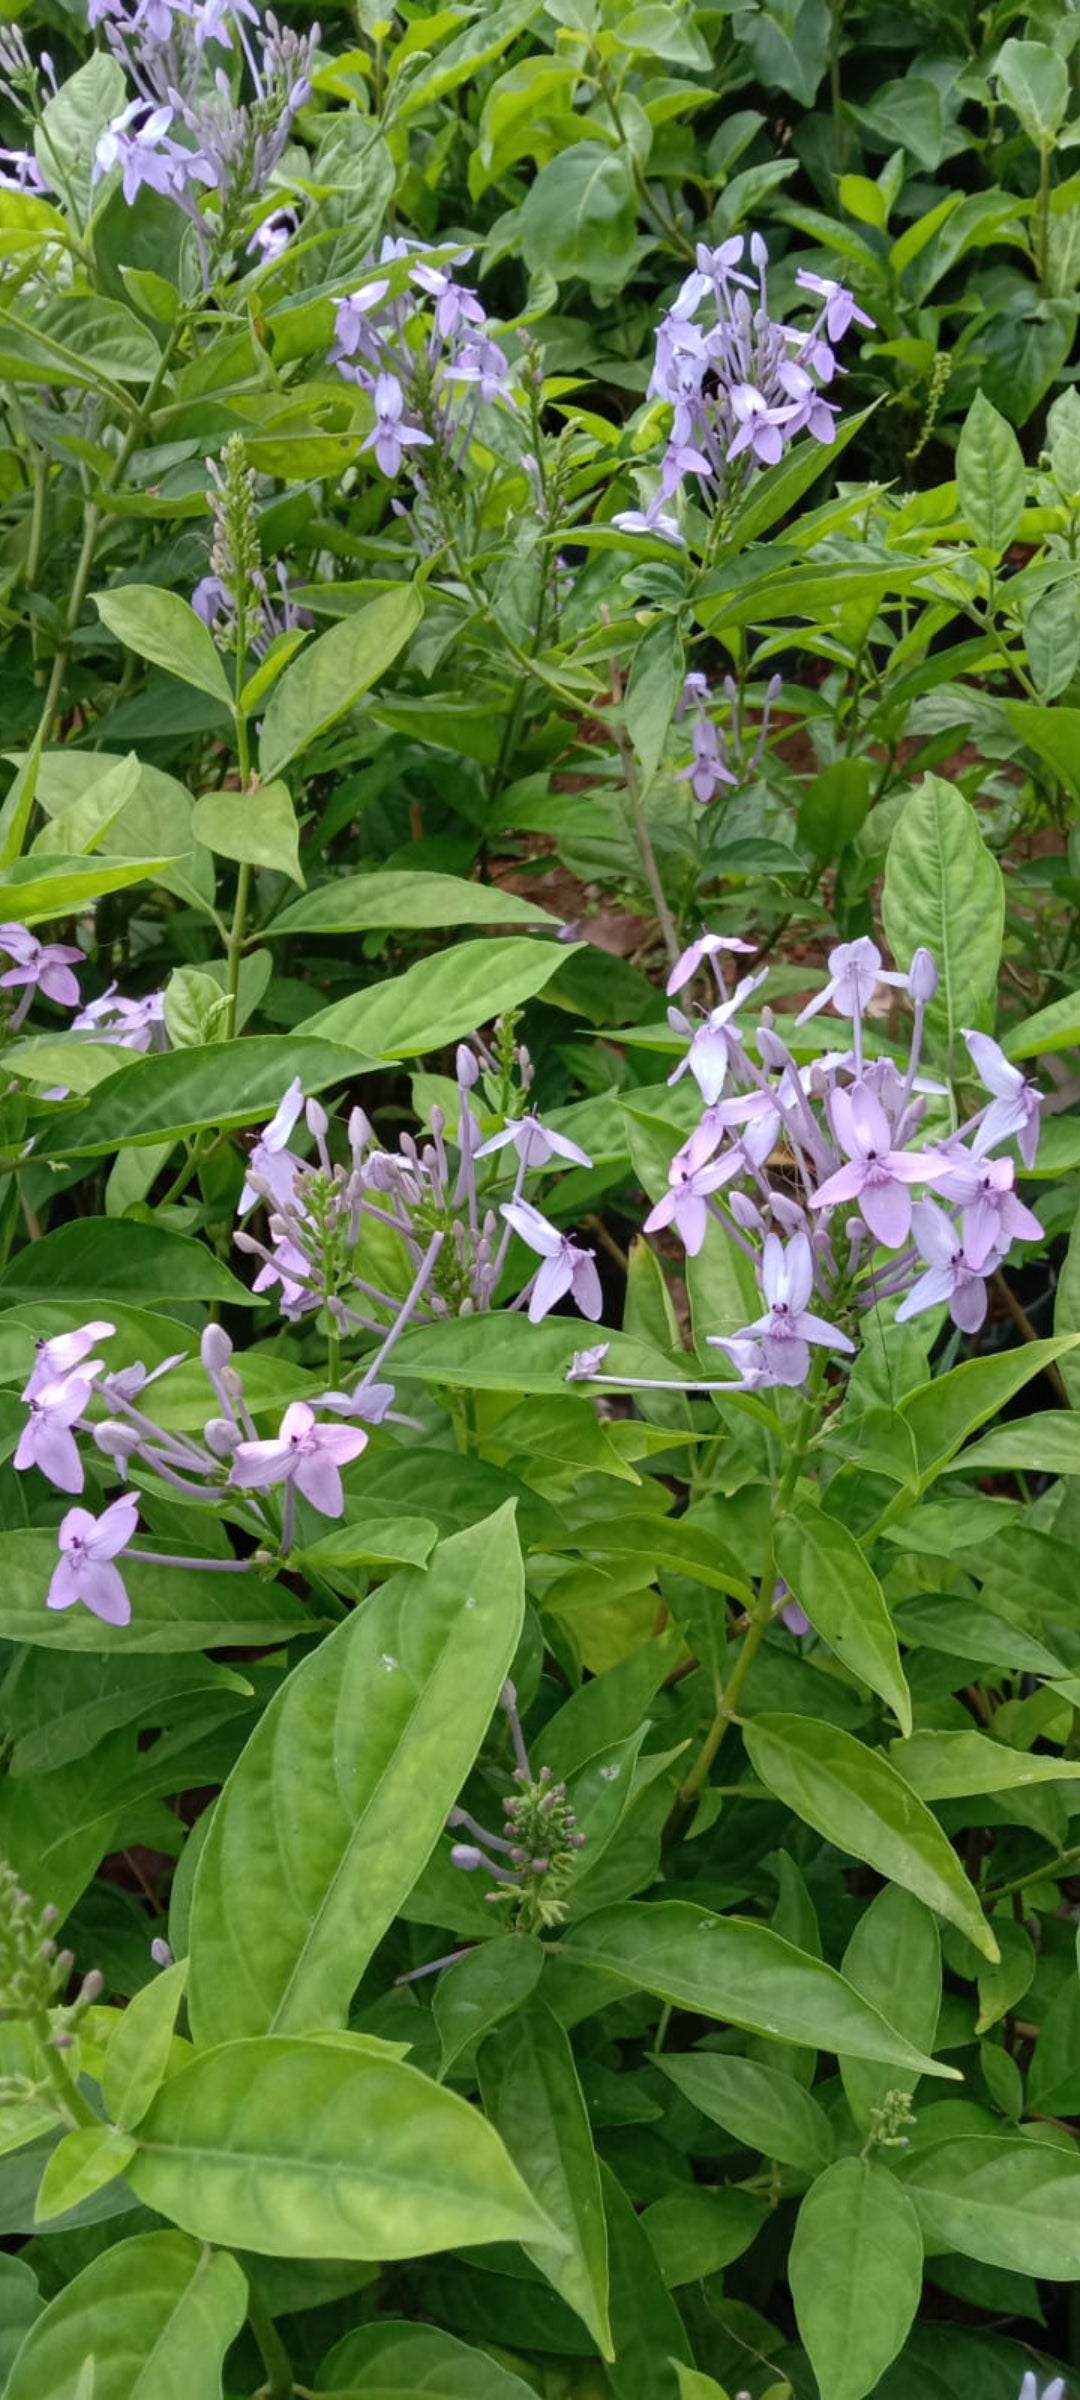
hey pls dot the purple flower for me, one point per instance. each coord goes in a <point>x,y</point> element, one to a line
<point>877,1176</point>
<point>991,1215</point>
<point>757,426</point>
<point>708,945</point>
<point>840,308</point>
<point>87,1547</point>
<point>787,1280</point>
<point>130,1023</point>
<point>714,1043</point>
<point>41,966</point>
<point>536,1144</point>
<point>707,769</point>
<point>46,1440</point>
<point>304,1453</point>
<point>455,304</point>
<point>1015,1107</point>
<point>271,1159</point>
<point>566,1267</point>
<point>391,436</point>
<point>1029,2389</point>
<point>649,521</point>
<point>275,233</point>
<point>685,1203</point>
<point>952,1281</point>
<point>855,970</point>
<point>482,363</point>
<point>57,1357</point>
<point>350,324</point>
<point>747,1357</point>
<point>694,693</point>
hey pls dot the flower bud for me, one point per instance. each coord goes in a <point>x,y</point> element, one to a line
<point>215,1349</point>
<point>221,1436</point>
<point>316,1119</point>
<point>117,1441</point>
<point>466,1856</point>
<point>466,1067</point>
<point>160,1952</point>
<point>923,976</point>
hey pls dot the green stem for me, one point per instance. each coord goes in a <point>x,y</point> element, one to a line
<point>70,2099</point>
<point>646,853</point>
<point>1020,1883</point>
<point>238,930</point>
<point>279,2383</point>
<point>1042,237</point>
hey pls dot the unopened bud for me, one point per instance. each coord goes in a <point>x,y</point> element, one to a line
<point>466,1067</point>
<point>466,1856</point>
<point>92,1986</point>
<point>116,1441</point>
<point>160,1952</point>
<point>221,1436</point>
<point>316,1119</point>
<point>215,1349</point>
<point>923,976</point>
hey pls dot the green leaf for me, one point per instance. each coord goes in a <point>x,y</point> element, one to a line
<point>441,998</point>
<point>531,2093</point>
<point>258,828</point>
<point>137,2059</point>
<point>953,1766</point>
<point>395,2361</point>
<point>20,2304</point>
<point>326,2149</point>
<point>894,1960</point>
<point>944,889</point>
<point>789,44</point>
<point>353,903</point>
<point>174,1092</point>
<point>1034,79</point>
<point>1052,639</point>
<point>38,888</point>
<point>376,1732</point>
<point>731,1968</point>
<point>942,1413</point>
<point>172,1609</point>
<point>482,1988</point>
<point>99,1259</point>
<point>856,2275</point>
<point>18,807</point>
<point>164,2311</point>
<point>77,339</point>
<point>991,477</point>
<point>1054,1028</point>
<point>162,627</point>
<point>656,679</point>
<point>1047,1443</point>
<point>1054,735</point>
<point>764,2108</point>
<point>657,32</point>
<point>579,217</point>
<point>697,2232</point>
<point>82,2163</point>
<point>649,2334</point>
<point>333,672</point>
<point>461,59</point>
<point>837,802</point>
<point>824,1567</point>
<point>1008,2200</point>
<point>856,1800</point>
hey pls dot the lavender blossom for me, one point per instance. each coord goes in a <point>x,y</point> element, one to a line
<point>46,1440</point>
<point>58,1356</point>
<point>952,1280</point>
<point>536,1144</point>
<point>426,357</point>
<point>303,1453</point>
<point>787,1327</point>
<point>43,967</point>
<point>877,1176</point>
<point>991,1215</point>
<point>708,946</point>
<point>685,1203</point>
<point>855,971</point>
<point>708,769</point>
<point>85,1571</point>
<point>131,1024</point>
<point>566,1268</point>
<point>1015,1108</point>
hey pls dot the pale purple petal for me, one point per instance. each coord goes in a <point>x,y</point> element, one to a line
<point>585,1285</point>
<point>887,1210</point>
<point>316,1475</point>
<point>101,1589</point>
<point>554,1279</point>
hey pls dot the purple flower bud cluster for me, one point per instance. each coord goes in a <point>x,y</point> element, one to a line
<point>427,356</point>
<point>740,385</point>
<point>325,1217</point>
<point>537,1849</point>
<point>812,1170</point>
<point>719,758</point>
<point>70,1392</point>
<point>186,133</point>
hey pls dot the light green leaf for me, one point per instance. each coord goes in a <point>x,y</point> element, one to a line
<point>96,1259</point>
<point>441,998</point>
<point>764,2108</point>
<point>153,2319</point>
<point>953,1766</point>
<point>894,1960</point>
<point>39,888</point>
<point>731,1968</point>
<point>174,1092</point>
<point>326,2149</point>
<point>942,1413</point>
<point>824,1567</point>
<point>1045,1444</point>
<point>137,2059</point>
<point>579,216</point>
<point>18,806</point>
<point>333,672</point>
<point>482,1988</point>
<point>354,902</point>
<point>77,830</point>
<point>656,679</point>
<point>856,2275</point>
<point>1009,2200</point>
<point>991,477</point>
<point>1054,735</point>
<point>531,2093</point>
<point>172,1609</point>
<point>1053,1028</point>
<point>258,828</point>
<point>944,889</point>
<point>396,2361</point>
<point>856,1800</point>
<point>162,627</point>
<point>375,1731</point>
<point>81,2164</point>
<point>1034,79</point>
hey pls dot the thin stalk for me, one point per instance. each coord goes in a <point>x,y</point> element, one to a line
<point>1042,225</point>
<point>646,853</point>
<point>238,930</point>
<point>279,2384</point>
<point>64,2086</point>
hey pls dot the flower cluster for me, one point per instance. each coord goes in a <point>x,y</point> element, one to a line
<point>329,1220</point>
<point>235,600</point>
<point>813,1170</point>
<point>33,1972</point>
<point>426,355</point>
<point>719,758</point>
<point>185,133</point>
<point>70,1392</point>
<point>740,385</point>
<point>537,1849</point>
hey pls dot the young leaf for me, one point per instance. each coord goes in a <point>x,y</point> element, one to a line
<point>1034,79</point>
<point>137,2058</point>
<point>990,472</point>
<point>171,2309</point>
<point>482,1988</point>
<point>943,888</point>
<point>393,2360</point>
<point>894,1960</point>
<point>764,2108</point>
<point>326,2149</point>
<point>333,673</point>
<point>81,2164</point>
<point>258,828</point>
<point>857,1801</point>
<point>376,1730</point>
<point>162,627</point>
<point>856,2275</point>
<point>827,1573</point>
<point>531,2093</point>
<point>945,1411</point>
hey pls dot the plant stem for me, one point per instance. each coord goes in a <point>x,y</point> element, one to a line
<point>646,853</point>
<point>279,2383</point>
<point>1042,234</point>
<point>66,2090</point>
<point>235,948</point>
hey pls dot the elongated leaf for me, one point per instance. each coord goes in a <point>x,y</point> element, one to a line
<point>729,1968</point>
<point>484,1986</point>
<point>943,888</point>
<point>38,888</point>
<point>1046,1444</point>
<point>950,1766</point>
<point>101,1259</point>
<point>137,2058</point>
<point>354,902</point>
<point>828,1573</point>
<point>172,1609</point>
<point>18,806</point>
<point>441,998</point>
<point>1054,735</point>
<point>395,2361</point>
<point>943,1413</point>
<point>257,827</point>
<point>894,1960</point>
<point>990,472</point>
<point>856,2275</point>
<point>650,2337</point>
<point>340,1797</point>
<point>155,2317</point>
<point>326,2149</point>
<point>83,2162</point>
<point>1007,2200</point>
<point>162,627</point>
<point>531,2093</point>
<point>333,672</point>
<point>761,2106</point>
<point>173,1092</point>
<point>852,1796</point>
